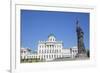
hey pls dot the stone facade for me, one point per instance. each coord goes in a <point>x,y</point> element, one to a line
<point>51,49</point>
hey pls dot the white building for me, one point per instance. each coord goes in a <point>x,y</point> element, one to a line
<point>74,51</point>
<point>51,49</point>
<point>66,53</point>
<point>25,52</point>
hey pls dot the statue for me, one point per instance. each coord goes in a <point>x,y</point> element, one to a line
<point>80,39</point>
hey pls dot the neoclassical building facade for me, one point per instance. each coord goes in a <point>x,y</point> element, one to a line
<point>51,49</point>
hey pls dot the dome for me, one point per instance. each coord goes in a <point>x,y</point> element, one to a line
<point>51,38</point>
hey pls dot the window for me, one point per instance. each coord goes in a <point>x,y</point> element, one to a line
<point>51,39</point>
<point>40,46</point>
<point>24,57</point>
<point>39,56</point>
<point>52,56</point>
<point>50,51</point>
<point>39,51</point>
<point>57,51</point>
<point>21,51</point>
<point>42,51</point>
<point>24,51</point>
<point>57,46</point>
<point>49,56</point>
<point>45,51</point>
<point>57,56</point>
<point>76,50</point>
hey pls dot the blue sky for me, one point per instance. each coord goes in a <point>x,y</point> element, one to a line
<point>37,25</point>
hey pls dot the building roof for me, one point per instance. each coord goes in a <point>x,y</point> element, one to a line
<point>51,35</point>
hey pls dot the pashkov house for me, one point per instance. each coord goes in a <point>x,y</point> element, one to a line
<point>51,49</point>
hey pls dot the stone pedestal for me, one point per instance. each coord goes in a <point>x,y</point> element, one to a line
<point>82,56</point>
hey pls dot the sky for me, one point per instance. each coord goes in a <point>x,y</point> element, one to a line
<point>37,25</point>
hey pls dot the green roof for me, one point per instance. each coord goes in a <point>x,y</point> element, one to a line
<point>51,35</point>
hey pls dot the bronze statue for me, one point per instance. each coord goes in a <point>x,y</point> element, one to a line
<point>80,39</point>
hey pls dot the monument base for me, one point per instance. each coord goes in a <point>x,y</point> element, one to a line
<point>82,56</point>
